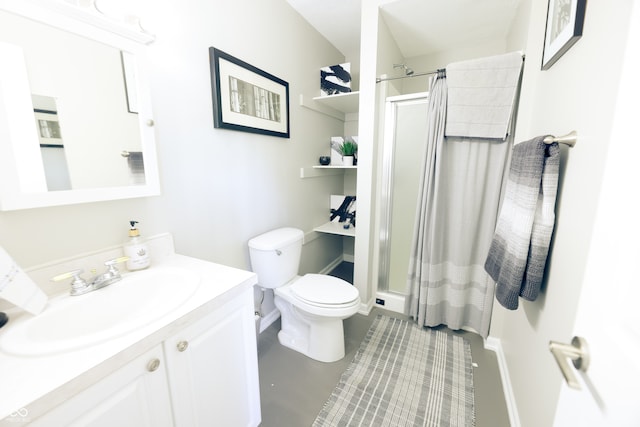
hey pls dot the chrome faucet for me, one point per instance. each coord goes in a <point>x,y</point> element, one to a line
<point>80,286</point>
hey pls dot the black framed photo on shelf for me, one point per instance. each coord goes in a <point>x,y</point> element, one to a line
<point>246,98</point>
<point>565,21</point>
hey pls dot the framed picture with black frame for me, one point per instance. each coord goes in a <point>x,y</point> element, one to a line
<point>246,98</point>
<point>565,21</point>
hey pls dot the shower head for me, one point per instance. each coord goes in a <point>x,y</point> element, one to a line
<point>407,71</point>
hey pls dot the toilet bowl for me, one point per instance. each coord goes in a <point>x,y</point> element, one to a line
<point>311,320</point>
<point>313,306</point>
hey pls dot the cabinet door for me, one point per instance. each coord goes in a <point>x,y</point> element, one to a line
<point>213,368</point>
<point>136,395</point>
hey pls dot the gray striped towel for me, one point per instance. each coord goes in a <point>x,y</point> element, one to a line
<point>518,252</point>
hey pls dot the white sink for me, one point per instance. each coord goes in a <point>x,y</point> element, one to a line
<point>73,322</point>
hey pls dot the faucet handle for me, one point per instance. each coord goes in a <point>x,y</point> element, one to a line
<point>111,266</point>
<point>79,286</point>
<point>112,262</point>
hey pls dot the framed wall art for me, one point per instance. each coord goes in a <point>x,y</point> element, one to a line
<point>565,20</point>
<point>246,98</point>
<point>335,79</point>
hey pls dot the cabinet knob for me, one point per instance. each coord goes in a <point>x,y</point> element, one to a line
<point>153,365</point>
<point>182,345</point>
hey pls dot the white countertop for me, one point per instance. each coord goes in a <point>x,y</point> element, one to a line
<point>26,381</point>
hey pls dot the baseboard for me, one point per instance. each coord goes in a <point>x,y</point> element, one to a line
<point>392,302</point>
<point>333,264</point>
<point>495,345</point>
<point>365,308</point>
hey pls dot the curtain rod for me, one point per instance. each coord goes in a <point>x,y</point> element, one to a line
<point>427,73</point>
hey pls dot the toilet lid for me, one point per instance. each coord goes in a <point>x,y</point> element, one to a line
<point>325,290</point>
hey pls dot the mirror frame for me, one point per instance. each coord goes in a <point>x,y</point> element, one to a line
<point>87,22</point>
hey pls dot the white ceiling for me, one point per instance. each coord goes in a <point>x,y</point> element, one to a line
<point>337,20</point>
<point>420,27</point>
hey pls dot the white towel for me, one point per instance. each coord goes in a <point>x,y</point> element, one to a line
<point>18,288</point>
<point>481,95</point>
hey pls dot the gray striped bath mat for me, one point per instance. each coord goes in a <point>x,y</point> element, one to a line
<point>404,375</point>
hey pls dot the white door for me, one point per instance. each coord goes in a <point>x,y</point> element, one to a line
<point>609,310</point>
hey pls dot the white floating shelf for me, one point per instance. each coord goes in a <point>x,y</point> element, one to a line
<point>345,102</point>
<point>336,228</point>
<point>316,171</point>
<point>336,106</point>
<point>334,167</point>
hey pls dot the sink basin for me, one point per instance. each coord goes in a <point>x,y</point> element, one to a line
<point>73,322</point>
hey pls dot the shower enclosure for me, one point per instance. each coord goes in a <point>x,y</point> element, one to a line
<point>403,151</point>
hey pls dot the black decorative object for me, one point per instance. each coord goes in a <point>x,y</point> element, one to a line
<point>246,98</point>
<point>324,160</point>
<point>343,210</point>
<point>565,21</point>
<point>335,79</point>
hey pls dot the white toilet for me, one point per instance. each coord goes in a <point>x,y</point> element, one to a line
<point>312,306</point>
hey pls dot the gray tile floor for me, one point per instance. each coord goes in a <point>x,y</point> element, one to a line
<point>293,387</point>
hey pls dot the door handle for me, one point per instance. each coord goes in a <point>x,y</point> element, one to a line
<point>578,352</point>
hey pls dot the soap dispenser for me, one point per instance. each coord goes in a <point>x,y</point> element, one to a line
<point>136,249</point>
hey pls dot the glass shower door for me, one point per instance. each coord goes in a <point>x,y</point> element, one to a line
<point>402,156</point>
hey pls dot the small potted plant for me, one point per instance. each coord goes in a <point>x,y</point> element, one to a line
<point>348,149</point>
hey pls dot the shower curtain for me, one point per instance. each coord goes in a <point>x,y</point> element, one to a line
<point>459,201</point>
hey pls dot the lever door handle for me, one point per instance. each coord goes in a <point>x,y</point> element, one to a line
<point>578,352</point>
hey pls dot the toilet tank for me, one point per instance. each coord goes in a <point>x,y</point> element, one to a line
<point>275,256</point>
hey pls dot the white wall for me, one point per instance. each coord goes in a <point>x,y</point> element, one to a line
<point>219,187</point>
<point>577,93</point>
<point>223,187</point>
<point>438,60</point>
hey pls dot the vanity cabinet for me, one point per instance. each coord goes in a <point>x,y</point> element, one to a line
<point>204,375</point>
<point>135,395</point>
<point>213,369</point>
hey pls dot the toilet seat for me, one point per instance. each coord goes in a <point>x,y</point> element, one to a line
<point>324,291</point>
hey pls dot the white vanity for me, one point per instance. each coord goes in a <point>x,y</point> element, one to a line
<point>195,365</point>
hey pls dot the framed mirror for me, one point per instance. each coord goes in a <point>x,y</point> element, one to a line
<point>75,110</point>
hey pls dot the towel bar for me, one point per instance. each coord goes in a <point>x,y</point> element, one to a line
<point>569,139</point>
